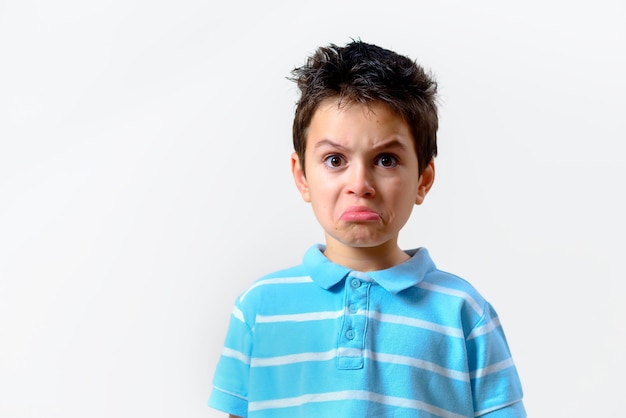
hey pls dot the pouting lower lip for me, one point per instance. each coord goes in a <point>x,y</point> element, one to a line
<point>360,213</point>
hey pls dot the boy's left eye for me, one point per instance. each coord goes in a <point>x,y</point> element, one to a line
<point>386,160</point>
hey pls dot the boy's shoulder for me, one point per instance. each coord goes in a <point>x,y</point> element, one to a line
<point>294,272</point>
<point>444,280</point>
<point>290,275</point>
<point>459,292</point>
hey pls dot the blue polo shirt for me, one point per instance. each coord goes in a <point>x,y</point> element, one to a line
<point>321,340</point>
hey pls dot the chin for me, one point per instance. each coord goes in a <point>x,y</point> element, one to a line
<point>364,242</point>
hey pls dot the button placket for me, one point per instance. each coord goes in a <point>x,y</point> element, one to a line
<point>352,335</point>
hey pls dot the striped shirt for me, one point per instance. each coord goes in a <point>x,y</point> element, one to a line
<point>321,340</point>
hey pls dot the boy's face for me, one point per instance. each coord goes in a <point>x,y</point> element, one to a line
<point>361,175</point>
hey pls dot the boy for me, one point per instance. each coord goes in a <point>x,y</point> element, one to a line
<point>362,328</point>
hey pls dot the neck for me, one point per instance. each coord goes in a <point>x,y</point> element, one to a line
<point>365,259</point>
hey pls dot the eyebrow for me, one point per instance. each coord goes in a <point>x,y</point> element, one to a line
<point>328,142</point>
<point>393,143</point>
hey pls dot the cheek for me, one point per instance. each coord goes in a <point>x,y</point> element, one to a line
<point>325,200</point>
<point>403,197</point>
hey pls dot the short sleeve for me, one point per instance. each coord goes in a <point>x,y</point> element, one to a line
<point>230,382</point>
<point>496,387</point>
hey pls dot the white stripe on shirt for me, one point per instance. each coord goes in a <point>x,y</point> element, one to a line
<point>492,368</point>
<point>484,329</point>
<point>351,395</point>
<point>229,352</point>
<point>452,292</point>
<point>347,352</point>
<point>278,280</point>
<point>301,317</point>
<point>388,318</point>
<point>417,323</point>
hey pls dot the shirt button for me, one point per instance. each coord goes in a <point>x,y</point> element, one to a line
<point>355,283</point>
<point>350,334</point>
<point>353,308</point>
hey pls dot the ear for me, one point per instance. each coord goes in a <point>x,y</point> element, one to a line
<point>299,177</point>
<point>425,182</point>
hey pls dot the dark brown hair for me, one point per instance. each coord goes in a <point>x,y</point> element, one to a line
<point>365,73</point>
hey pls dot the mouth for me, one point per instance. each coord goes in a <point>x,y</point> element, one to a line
<point>360,214</point>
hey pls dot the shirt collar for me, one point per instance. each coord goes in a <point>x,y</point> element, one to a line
<point>394,279</point>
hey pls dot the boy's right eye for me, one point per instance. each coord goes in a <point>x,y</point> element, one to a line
<point>334,161</point>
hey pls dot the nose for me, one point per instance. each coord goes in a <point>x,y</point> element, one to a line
<point>361,181</point>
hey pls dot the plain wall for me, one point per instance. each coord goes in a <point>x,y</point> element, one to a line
<point>145,183</point>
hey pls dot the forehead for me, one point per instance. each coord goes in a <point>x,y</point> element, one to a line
<point>357,123</point>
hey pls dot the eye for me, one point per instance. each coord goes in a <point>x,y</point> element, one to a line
<point>334,161</point>
<point>386,160</point>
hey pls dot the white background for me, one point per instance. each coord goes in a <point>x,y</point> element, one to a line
<point>144,183</point>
